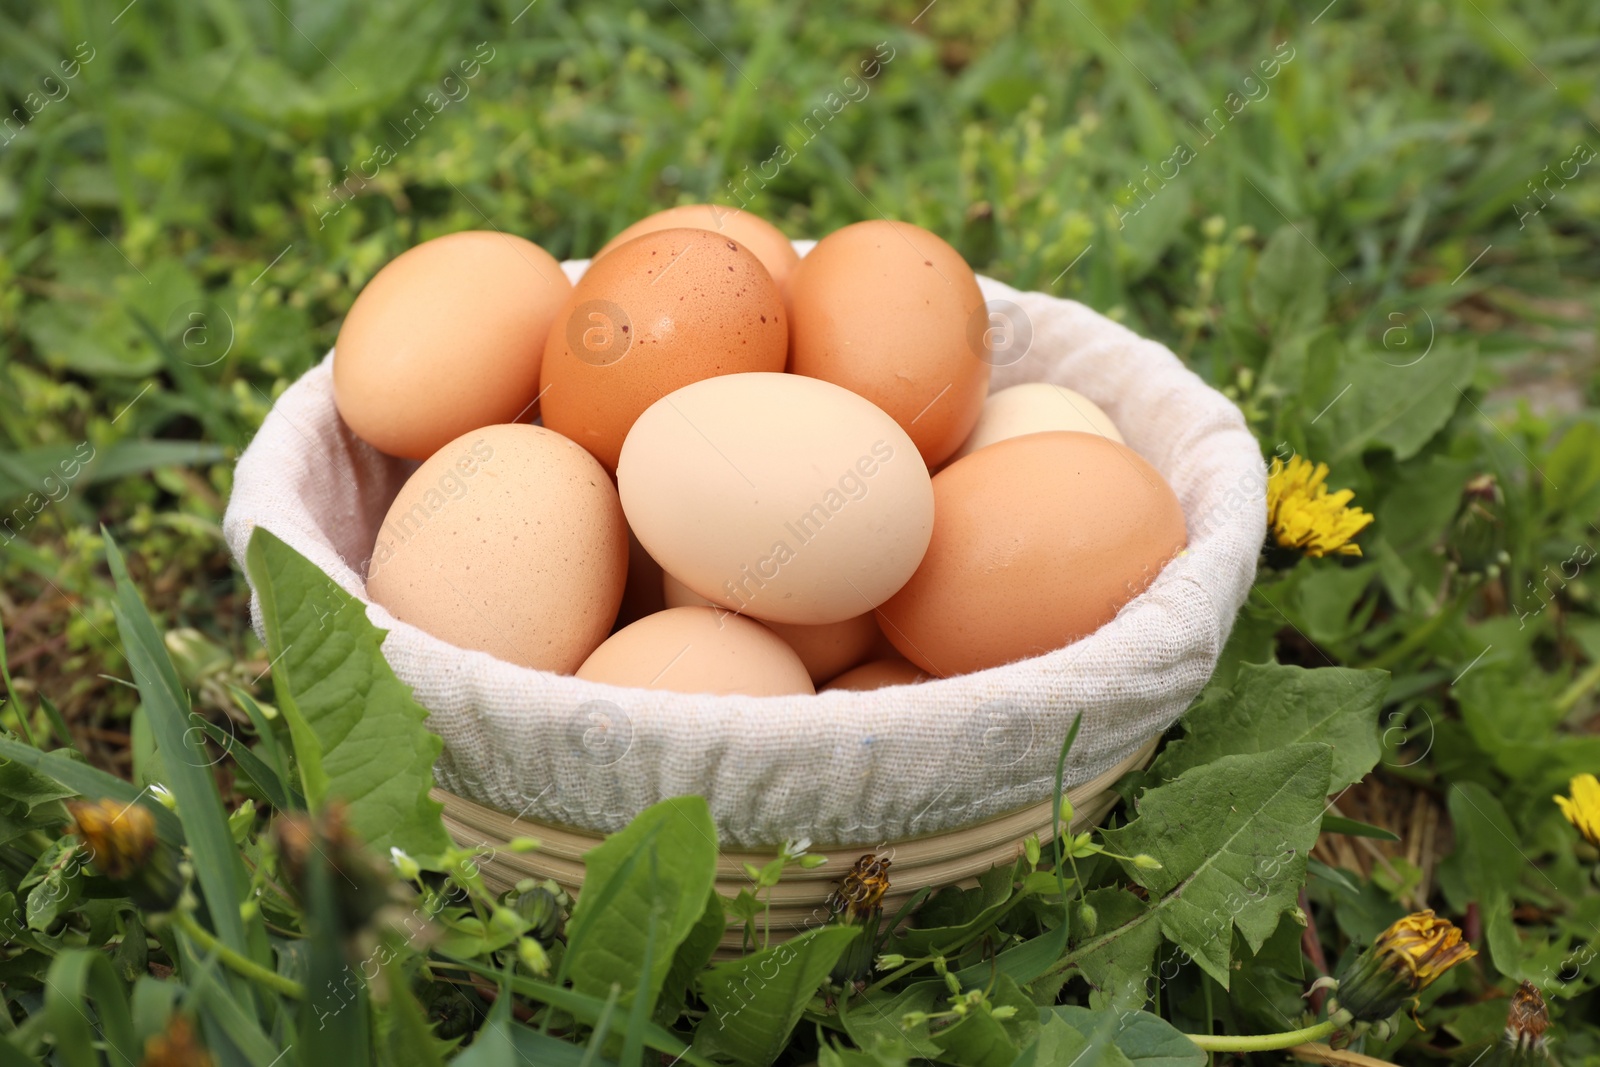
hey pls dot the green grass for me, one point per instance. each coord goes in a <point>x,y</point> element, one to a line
<point>173,254</point>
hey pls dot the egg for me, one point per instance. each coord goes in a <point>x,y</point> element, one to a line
<point>509,540</point>
<point>1036,407</point>
<point>446,338</point>
<point>761,237</point>
<point>653,315</point>
<point>826,650</point>
<point>887,310</point>
<point>1037,541</point>
<point>698,650</point>
<point>876,675</point>
<point>784,498</point>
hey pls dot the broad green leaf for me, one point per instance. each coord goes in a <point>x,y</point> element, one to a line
<point>1119,958</point>
<point>1572,470</point>
<point>217,866</point>
<point>23,789</point>
<point>1272,706</point>
<point>1290,282</point>
<point>755,1002</point>
<point>691,958</point>
<point>1062,1044</point>
<point>54,884</point>
<point>1021,963</point>
<point>1232,838</point>
<point>1397,407</point>
<point>979,1039</point>
<point>1486,864</point>
<point>665,859</point>
<point>953,916</point>
<point>358,734</point>
<point>976,1040</point>
<point>873,1021</point>
<point>1147,1040</point>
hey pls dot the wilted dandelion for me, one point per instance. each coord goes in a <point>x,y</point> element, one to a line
<point>861,891</point>
<point>1405,959</point>
<point>122,842</point>
<point>1302,513</point>
<point>859,902</point>
<point>176,1046</point>
<point>120,836</point>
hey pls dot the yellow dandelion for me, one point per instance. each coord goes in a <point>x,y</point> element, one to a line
<point>1303,514</point>
<point>1421,947</point>
<point>1404,960</point>
<point>120,836</point>
<point>1582,809</point>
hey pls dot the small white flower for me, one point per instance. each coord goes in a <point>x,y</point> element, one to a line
<point>796,847</point>
<point>404,864</point>
<point>164,797</point>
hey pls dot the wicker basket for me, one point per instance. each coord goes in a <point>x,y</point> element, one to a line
<point>950,774</point>
<point>798,901</point>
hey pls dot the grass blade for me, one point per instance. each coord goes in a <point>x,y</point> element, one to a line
<point>205,823</point>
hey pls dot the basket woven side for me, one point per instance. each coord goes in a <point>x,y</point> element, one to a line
<point>799,901</point>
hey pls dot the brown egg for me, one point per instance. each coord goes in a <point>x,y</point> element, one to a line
<point>698,650</point>
<point>658,313</point>
<point>761,237</point>
<point>825,649</point>
<point>1037,541</point>
<point>888,310</point>
<point>446,338</point>
<point>876,675</point>
<point>509,540</point>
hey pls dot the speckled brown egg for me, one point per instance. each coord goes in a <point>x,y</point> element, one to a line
<point>1037,541</point>
<point>446,338</point>
<point>663,311</point>
<point>893,313</point>
<point>761,237</point>
<point>698,650</point>
<point>509,540</point>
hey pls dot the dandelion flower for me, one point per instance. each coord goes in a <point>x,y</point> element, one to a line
<point>860,892</point>
<point>122,842</point>
<point>1303,514</point>
<point>1405,959</point>
<point>177,1046</point>
<point>120,836</point>
<point>1582,809</point>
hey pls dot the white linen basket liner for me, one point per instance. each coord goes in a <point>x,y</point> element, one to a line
<point>843,768</point>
